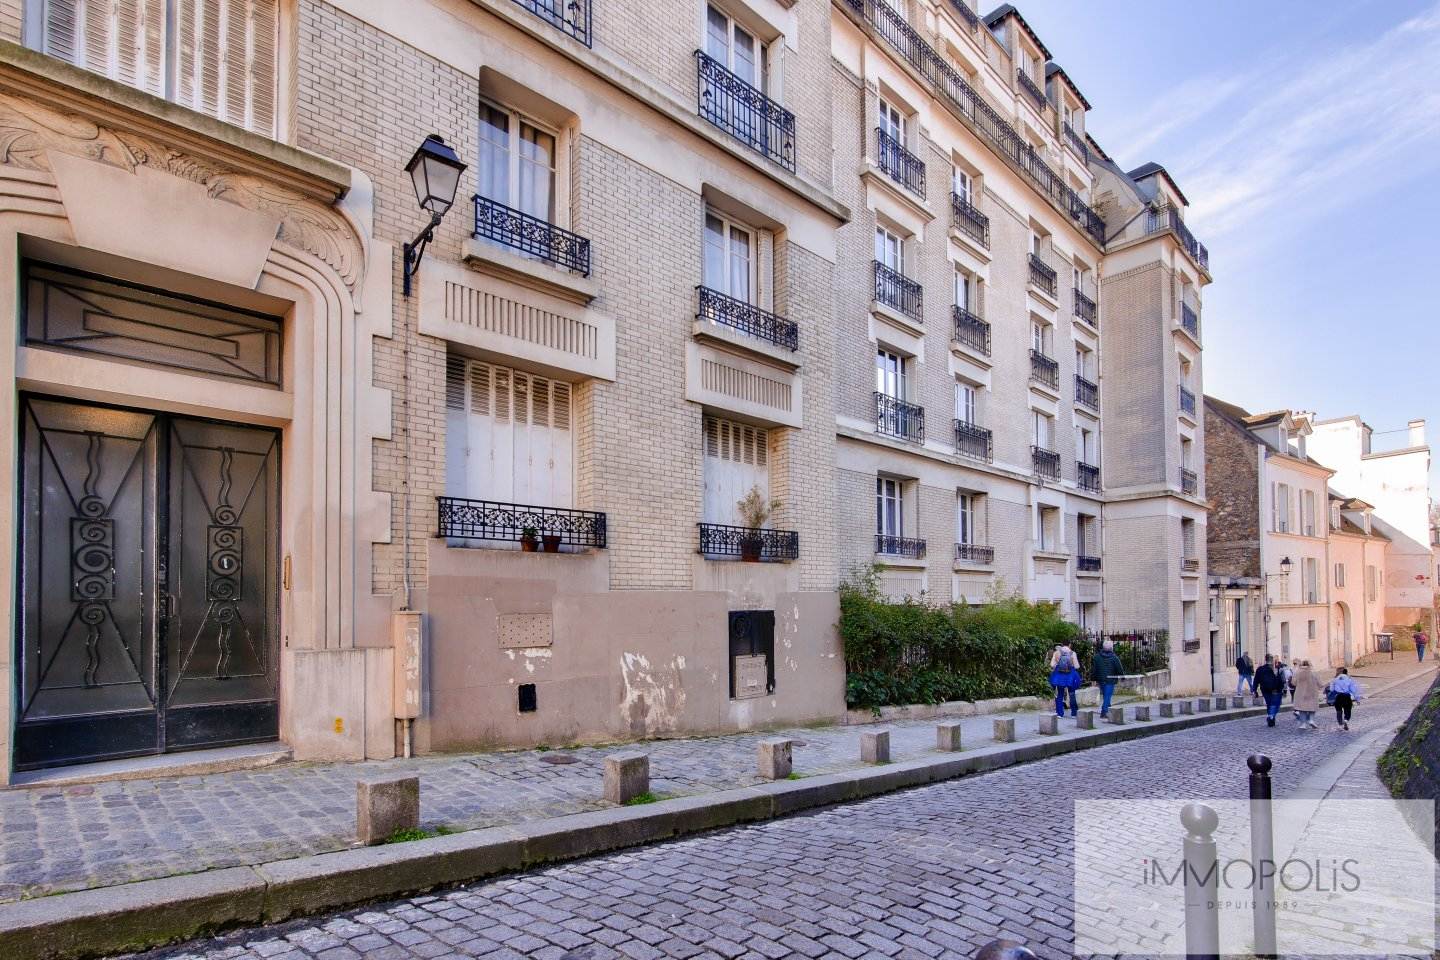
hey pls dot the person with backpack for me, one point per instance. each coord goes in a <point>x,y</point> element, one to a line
<point>1342,694</point>
<point>1287,674</point>
<point>1105,670</point>
<point>1245,667</point>
<point>1065,677</point>
<point>1271,684</point>
<point>1421,640</point>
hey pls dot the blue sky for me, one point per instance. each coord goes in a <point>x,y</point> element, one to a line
<point>1307,139</point>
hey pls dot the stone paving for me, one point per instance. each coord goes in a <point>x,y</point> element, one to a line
<point>925,873</point>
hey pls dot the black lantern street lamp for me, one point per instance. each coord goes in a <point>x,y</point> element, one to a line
<point>1285,567</point>
<point>435,172</point>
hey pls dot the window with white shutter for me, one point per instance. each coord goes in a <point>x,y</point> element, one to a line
<point>509,435</point>
<point>214,56</point>
<point>737,458</point>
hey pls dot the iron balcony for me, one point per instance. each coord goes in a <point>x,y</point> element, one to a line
<point>464,519</point>
<point>1076,142</point>
<point>1190,320</point>
<point>971,331</point>
<point>896,418</point>
<point>716,307</point>
<point>974,553</point>
<point>1047,462</point>
<point>1087,476</point>
<point>1085,309</point>
<point>900,164</point>
<point>967,218</point>
<point>531,235</point>
<point>724,540</point>
<point>894,289</point>
<point>974,442</point>
<point>1044,370</point>
<point>1187,402</point>
<point>899,546</point>
<point>1189,482</point>
<point>744,112</point>
<point>1031,88</point>
<point>1087,564</point>
<point>1042,275</point>
<point>1168,218</point>
<point>1087,394</point>
<point>570,17</point>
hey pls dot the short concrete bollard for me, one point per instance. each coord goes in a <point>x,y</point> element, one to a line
<point>1085,720</point>
<point>1237,703</point>
<point>627,776</point>
<point>1167,710</point>
<point>1203,704</point>
<point>1220,703</point>
<point>1187,707</point>
<point>947,736</point>
<point>1049,724</point>
<point>1142,713</point>
<point>1005,729</point>
<point>385,807</point>
<point>1116,715</point>
<point>875,747</point>
<point>774,758</point>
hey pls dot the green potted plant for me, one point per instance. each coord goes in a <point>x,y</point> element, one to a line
<point>529,539</point>
<point>755,510</point>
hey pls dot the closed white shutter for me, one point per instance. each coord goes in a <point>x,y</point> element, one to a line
<point>736,459</point>
<point>120,39</point>
<point>226,60</point>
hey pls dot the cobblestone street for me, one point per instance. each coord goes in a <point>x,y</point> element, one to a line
<point>932,872</point>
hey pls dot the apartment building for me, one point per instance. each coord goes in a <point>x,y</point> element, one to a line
<point>1017,333</point>
<point>1358,554</point>
<point>330,469</point>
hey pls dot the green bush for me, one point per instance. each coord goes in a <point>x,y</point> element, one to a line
<point>911,652</point>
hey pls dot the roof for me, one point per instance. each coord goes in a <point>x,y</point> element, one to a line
<point>994,17</point>
<point>1243,420</point>
<point>1095,146</point>
<point>1146,170</point>
<point>1052,68</point>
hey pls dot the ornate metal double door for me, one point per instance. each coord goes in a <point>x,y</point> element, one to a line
<point>148,568</point>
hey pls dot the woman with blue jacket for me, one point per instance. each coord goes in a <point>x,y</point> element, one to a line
<point>1065,676</point>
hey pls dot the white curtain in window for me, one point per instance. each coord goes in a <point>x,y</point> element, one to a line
<point>493,177</point>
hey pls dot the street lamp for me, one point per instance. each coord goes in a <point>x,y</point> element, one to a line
<point>435,172</point>
<point>1285,567</point>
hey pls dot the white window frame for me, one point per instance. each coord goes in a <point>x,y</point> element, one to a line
<point>727,55</point>
<point>890,378</point>
<point>516,121</point>
<point>965,517</point>
<point>893,121</point>
<point>962,184</point>
<point>890,249</point>
<point>1040,337</point>
<point>1340,574</point>
<point>1042,430</point>
<point>967,402</point>
<point>889,507</point>
<point>964,294</point>
<point>729,230</point>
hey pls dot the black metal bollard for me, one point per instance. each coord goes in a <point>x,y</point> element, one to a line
<point>1202,883</point>
<point>1262,854</point>
<point>1004,950</point>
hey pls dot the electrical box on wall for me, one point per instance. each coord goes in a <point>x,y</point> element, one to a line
<point>407,631</point>
<point>752,653</point>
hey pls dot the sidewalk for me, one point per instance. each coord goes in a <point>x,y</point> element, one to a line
<point>98,835</point>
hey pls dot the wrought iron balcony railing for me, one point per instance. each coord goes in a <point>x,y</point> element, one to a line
<point>1085,309</point>
<point>1168,218</point>
<point>464,519</point>
<point>744,112</point>
<point>1190,320</point>
<point>723,540</point>
<point>531,235</point>
<point>896,290</point>
<point>1076,142</point>
<point>975,111</point>
<point>1087,394</point>
<point>1189,482</point>
<point>971,18</point>
<point>1087,477</point>
<point>1086,563</point>
<point>974,553</point>
<point>974,442</point>
<point>716,307</point>
<point>896,418</point>
<point>899,546</point>
<point>1047,462</point>
<point>568,16</point>
<point>900,164</point>
<point>1031,88</point>
<point>1044,370</point>
<point>1042,275</point>
<point>1187,402</point>
<point>967,218</point>
<point>971,331</point>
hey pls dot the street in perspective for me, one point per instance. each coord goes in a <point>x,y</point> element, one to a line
<point>583,479</point>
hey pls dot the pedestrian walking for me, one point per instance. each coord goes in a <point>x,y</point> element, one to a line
<point>1105,669</point>
<point>1343,694</point>
<point>1065,678</point>
<point>1245,667</point>
<point>1307,695</point>
<point>1421,640</point>
<point>1271,685</point>
<point>1287,674</point>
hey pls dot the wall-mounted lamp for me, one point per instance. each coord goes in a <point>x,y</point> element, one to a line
<point>435,172</point>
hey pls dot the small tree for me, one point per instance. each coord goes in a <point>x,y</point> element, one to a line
<point>755,510</point>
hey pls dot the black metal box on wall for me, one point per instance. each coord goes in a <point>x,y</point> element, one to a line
<point>752,634</point>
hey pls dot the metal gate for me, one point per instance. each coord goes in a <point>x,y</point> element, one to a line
<point>148,572</point>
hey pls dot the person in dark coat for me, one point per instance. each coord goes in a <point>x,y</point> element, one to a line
<point>1271,684</point>
<point>1245,667</point>
<point>1106,668</point>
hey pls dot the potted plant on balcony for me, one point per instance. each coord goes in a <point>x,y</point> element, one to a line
<point>551,542</point>
<point>755,509</point>
<point>529,539</point>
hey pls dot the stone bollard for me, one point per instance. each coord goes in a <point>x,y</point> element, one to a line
<point>1005,729</point>
<point>1187,707</point>
<point>1167,710</point>
<point>1237,703</point>
<point>947,736</point>
<point>385,807</point>
<point>1085,720</point>
<point>1142,713</point>
<point>1220,703</point>
<point>1203,704</point>
<point>875,747</point>
<point>627,776</point>
<point>774,758</point>
<point>1116,715</point>
<point>1049,724</point>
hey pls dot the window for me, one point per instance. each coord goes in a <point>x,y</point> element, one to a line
<point>517,162</point>
<point>962,185</point>
<point>1082,362</point>
<point>1285,640</point>
<point>1035,243</point>
<point>1048,519</point>
<point>729,258</point>
<point>892,122</point>
<point>1042,430</point>
<point>963,295</point>
<point>966,401</point>
<point>734,48</point>
<point>1084,445</point>
<point>1087,616</point>
<point>1086,542</point>
<point>1187,539</point>
<point>890,374</point>
<point>1234,630</point>
<point>736,461</point>
<point>1310,629</point>
<point>1040,337</point>
<point>1187,453</point>
<point>217,57</point>
<point>1187,616</point>
<point>1335,516</point>
<point>1280,507</point>
<point>1339,574</point>
<point>1307,512</point>
<point>965,519</point>
<point>508,435</point>
<point>1370,582</point>
<point>1311,580</point>
<point>889,507</point>
<point>890,250</point>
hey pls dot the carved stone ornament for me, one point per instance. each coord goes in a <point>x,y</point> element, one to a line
<point>28,130</point>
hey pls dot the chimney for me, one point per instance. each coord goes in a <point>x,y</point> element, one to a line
<point>1417,433</point>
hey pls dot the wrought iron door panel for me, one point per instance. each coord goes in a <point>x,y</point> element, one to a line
<point>220,648</point>
<point>87,678</point>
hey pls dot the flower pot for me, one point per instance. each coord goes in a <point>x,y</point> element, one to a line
<point>529,544</point>
<point>750,548</point>
<point>551,542</point>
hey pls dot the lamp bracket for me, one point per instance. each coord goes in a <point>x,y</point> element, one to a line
<point>415,250</point>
